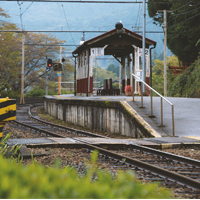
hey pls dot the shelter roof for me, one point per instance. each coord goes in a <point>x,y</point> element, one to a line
<point>120,42</point>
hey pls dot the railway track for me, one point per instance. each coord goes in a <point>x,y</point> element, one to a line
<point>179,173</point>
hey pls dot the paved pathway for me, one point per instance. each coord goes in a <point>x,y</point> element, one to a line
<point>186,113</point>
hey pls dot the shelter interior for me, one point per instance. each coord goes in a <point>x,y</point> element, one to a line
<point>124,45</point>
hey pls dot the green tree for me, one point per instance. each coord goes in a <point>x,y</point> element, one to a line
<point>158,75</point>
<point>187,84</point>
<point>105,74</point>
<point>9,61</point>
<point>114,69</point>
<point>182,27</point>
<point>38,47</point>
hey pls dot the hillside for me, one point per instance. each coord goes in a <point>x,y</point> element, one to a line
<point>187,84</point>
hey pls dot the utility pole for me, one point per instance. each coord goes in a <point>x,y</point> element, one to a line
<point>143,46</point>
<point>165,49</point>
<point>22,72</point>
<point>59,77</point>
<point>165,53</point>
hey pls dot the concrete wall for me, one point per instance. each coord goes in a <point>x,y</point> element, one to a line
<point>104,116</point>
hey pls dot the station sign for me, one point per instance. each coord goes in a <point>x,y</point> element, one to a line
<point>58,67</point>
<point>97,52</point>
<point>146,52</point>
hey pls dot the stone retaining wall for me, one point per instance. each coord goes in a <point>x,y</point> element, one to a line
<point>113,117</point>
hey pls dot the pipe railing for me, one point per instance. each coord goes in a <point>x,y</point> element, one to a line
<point>161,102</point>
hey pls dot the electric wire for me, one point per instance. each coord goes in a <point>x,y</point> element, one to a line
<point>110,2</point>
<point>183,21</point>
<point>182,12</point>
<point>20,11</point>
<point>137,17</point>
<point>27,8</point>
<point>183,6</point>
<point>68,23</point>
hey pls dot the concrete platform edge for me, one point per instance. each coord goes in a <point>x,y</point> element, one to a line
<point>151,131</point>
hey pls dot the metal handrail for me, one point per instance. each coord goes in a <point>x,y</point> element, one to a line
<point>172,106</point>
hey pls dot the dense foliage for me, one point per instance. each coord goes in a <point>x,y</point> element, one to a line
<point>158,75</point>
<point>104,74</point>
<point>187,84</point>
<point>182,27</point>
<point>38,182</point>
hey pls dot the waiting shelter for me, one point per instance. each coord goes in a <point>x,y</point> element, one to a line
<point>122,44</point>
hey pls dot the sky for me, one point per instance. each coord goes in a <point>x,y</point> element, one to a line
<point>79,16</point>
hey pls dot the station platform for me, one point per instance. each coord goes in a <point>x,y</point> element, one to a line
<point>186,113</point>
<point>156,143</point>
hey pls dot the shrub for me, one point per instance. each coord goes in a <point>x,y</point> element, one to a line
<point>37,92</point>
<point>115,85</point>
<point>8,151</point>
<point>36,181</point>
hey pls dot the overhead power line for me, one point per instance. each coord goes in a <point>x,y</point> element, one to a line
<point>117,2</point>
<point>67,23</point>
<point>52,45</point>
<point>46,31</point>
<point>184,21</point>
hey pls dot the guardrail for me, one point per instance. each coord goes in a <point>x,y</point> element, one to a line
<point>161,102</point>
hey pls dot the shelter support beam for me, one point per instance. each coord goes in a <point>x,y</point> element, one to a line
<point>133,72</point>
<point>117,59</point>
<point>78,74</point>
<point>87,71</point>
<point>128,71</point>
<point>81,73</point>
<point>123,60</point>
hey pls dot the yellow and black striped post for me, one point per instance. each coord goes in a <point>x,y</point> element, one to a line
<point>7,112</point>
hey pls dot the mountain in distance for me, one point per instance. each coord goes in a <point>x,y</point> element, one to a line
<point>81,17</point>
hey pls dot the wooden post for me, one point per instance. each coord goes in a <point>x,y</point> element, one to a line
<point>81,74</point>
<point>128,72</point>
<point>87,70</point>
<point>59,80</point>
<point>123,73</point>
<point>78,72</point>
<point>133,71</point>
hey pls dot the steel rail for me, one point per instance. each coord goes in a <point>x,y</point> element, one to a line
<point>135,146</point>
<point>172,175</point>
<point>161,102</point>
<point>157,170</point>
<point>38,129</point>
<point>182,159</point>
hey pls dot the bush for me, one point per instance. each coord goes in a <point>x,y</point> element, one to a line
<point>37,92</point>
<point>38,182</point>
<point>115,85</point>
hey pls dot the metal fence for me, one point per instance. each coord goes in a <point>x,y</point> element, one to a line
<point>161,102</point>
